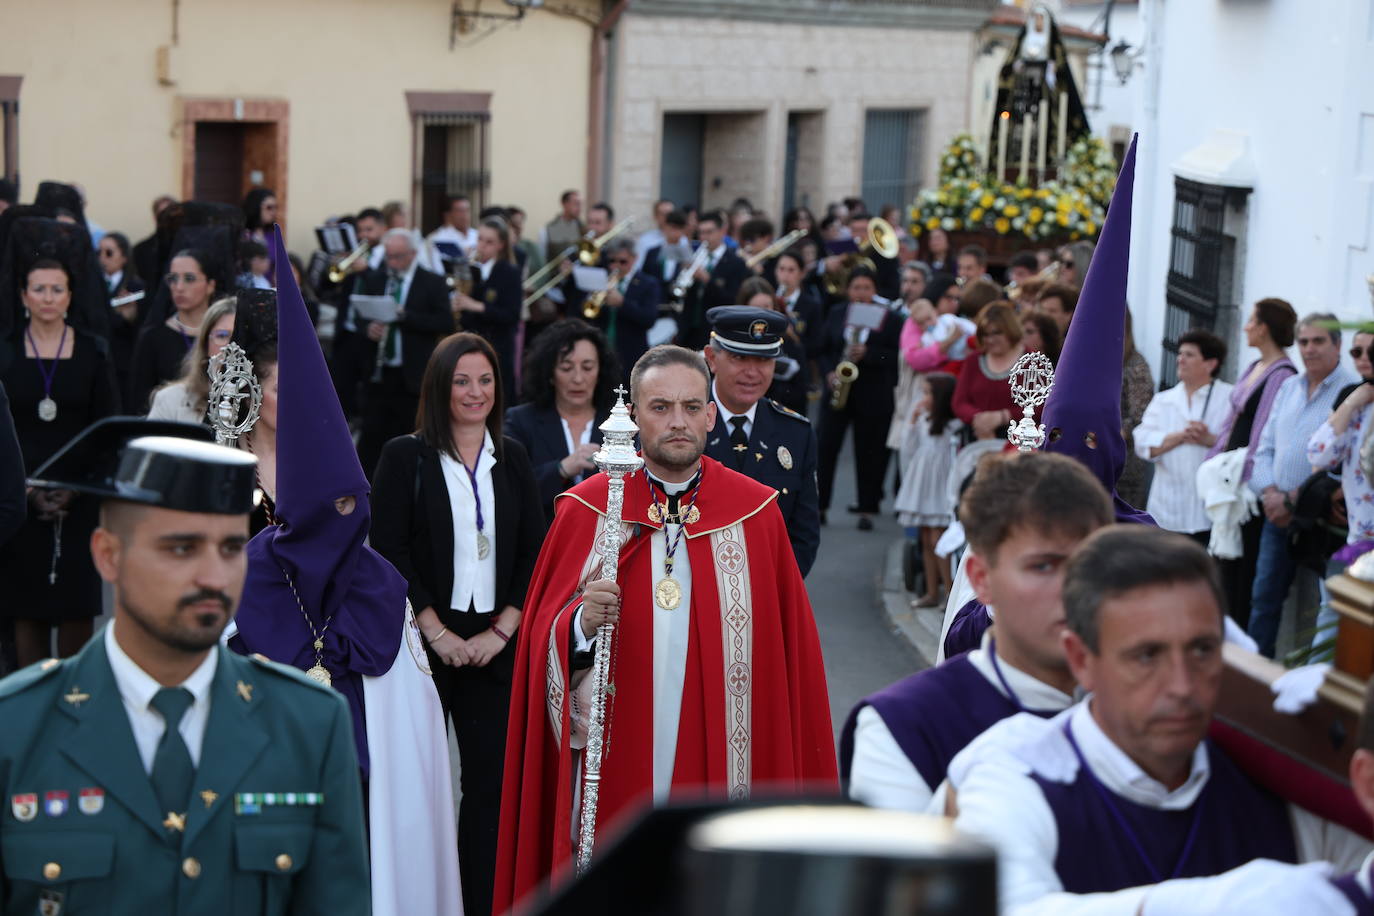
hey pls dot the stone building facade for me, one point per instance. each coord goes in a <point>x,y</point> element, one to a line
<point>796,103</point>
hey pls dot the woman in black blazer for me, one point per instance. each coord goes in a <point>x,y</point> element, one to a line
<point>494,306</point>
<point>569,381</point>
<point>455,510</point>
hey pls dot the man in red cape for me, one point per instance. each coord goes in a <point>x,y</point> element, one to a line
<point>736,662</point>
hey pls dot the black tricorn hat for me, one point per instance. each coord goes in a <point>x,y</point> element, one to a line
<point>154,462</point>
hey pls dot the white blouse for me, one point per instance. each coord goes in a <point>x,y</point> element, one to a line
<point>474,580</point>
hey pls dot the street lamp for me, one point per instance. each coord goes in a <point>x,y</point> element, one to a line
<point>1123,61</point>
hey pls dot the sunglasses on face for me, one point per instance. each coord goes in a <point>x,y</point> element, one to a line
<point>188,279</point>
<point>1068,264</point>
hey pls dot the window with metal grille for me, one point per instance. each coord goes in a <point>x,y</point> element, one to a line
<point>451,150</point>
<point>9,127</point>
<point>892,160</point>
<point>1197,287</point>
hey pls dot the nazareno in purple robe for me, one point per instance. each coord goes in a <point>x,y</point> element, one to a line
<point>354,599</point>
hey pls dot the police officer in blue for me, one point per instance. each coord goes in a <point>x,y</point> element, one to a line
<point>155,771</point>
<point>754,434</point>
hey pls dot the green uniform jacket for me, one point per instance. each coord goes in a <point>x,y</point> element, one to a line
<point>275,822</point>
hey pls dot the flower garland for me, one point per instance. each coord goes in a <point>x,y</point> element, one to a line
<point>1072,206</point>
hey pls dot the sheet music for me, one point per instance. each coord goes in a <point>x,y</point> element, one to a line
<point>590,279</point>
<point>338,238</point>
<point>866,315</point>
<point>374,308</point>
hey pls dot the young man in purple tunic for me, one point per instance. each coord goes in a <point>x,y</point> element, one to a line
<point>1024,514</point>
<point>1103,807</point>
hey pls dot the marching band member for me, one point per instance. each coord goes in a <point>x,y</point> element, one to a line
<point>397,352</point>
<point>493,307</point>
<point>565,229</point>
<point>456,237</point>
<point>695,712</point>
<point>631,306</point>
<point>871,345</point>
<point>716,282</point>
<point>665,260</point>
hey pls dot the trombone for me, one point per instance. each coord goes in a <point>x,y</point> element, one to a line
<point>776,248</point>
<point>339,272</point>
<point>1048,275</point>
<point>589,249</point>
<point>882,239</point>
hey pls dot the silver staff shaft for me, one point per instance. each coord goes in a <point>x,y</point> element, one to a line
<point>617,460</point>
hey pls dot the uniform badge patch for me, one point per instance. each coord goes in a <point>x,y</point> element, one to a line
<point>784,458</point>
<point>50,902</point>
<point>90,801</point>
<point>55,804</point>
<point>24,807</point>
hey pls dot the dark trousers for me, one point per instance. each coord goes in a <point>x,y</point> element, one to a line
<point>477,701</point>
<point>870,454</point>
<point>388,411</point>
<point>1238,575</point>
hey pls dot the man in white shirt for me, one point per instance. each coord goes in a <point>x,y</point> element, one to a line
<point>1090,809</point>
<point>654,237</point>
<point>457,237</point>
<point>1177,430</point>
<point>155,771</point>
<point>1024,515</point>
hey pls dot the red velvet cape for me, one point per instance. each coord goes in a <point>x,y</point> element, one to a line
<point>782,743</point>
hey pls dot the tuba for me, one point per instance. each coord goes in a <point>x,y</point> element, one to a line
<point>882,240</point>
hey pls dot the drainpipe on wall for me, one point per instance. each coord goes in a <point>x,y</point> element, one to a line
<point>599,89</point>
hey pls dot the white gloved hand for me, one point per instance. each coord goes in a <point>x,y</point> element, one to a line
<point>1236,636</point>
<point>1297,689</point>
<point>952,539</point>
<point>1255,888</point>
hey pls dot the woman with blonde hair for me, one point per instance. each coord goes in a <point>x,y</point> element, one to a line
<point>185,398</point>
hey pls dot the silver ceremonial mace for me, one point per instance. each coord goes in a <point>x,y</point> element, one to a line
<point>617,460</point>
<point>231,383</point>
<point>1031,381</point>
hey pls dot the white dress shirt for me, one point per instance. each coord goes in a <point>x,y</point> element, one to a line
<point>672,633</point>
<point>1174,500</point>
<point>583,439</point>
<point>723,414</point>
<point>474,580</point>
<point>137,688</point>
<point>1001,803</point>
<point>881,775</point>
<point>466,241</point>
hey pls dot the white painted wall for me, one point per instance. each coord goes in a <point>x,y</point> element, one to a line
<point>1299,82</point>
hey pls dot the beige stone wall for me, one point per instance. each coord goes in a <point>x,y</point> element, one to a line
<point>666,64</point>
<point>731,166</point>
<point>92,109</point>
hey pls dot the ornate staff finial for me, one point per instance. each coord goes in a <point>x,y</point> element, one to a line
<point>1031,380</point>
<point>235,398</point>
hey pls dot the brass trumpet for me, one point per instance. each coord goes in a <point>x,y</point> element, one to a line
<point>777,247</point>
<point>340,271</point>
<point>589,250</point>
<point>882,239</point>
<point>591,308</point>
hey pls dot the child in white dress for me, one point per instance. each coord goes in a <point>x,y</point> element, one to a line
<point>923,502</point>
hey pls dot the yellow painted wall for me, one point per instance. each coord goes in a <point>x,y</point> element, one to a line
<point>93,111</point>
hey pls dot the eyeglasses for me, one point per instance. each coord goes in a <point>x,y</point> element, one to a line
<point>1358,352</point>
<point>1066,264</point>
<point>221,336</point>
<point>188,279</point>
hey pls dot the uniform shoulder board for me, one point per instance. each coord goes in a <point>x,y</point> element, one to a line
<point>786,411</point>
<point>24,678</point>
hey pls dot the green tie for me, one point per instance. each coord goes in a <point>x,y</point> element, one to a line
<point>394,291</point>
<point>173,773</point>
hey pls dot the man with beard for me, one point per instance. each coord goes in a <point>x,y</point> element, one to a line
<point>719,684</point>
<point>202,782</point>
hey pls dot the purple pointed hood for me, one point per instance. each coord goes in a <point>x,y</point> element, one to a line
<point>338,578</point>
<point>1083,414</point>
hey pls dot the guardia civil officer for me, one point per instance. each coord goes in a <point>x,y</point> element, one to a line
<point>154,771</point>
<point>756,435</point>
